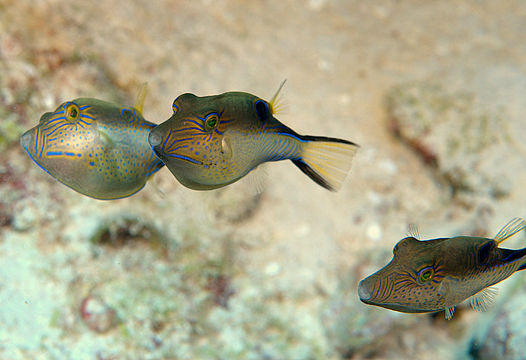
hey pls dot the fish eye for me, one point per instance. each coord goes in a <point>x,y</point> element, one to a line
<point>72,112</point>
<point>262,112</point>
<point>211,122</point>
<point>426,274</point>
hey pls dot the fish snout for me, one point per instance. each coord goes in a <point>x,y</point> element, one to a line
<point>26,139</point>
<point>363,291</point>
<point>154,138</point>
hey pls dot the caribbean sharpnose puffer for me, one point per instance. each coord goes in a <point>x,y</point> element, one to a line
<point>96,148</point>
<point>438,274</point>
<point>213,141</point>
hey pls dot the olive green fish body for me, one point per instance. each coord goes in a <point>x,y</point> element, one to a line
<point>438,274</point>
<point>213,141</point>
<point>97,148</point>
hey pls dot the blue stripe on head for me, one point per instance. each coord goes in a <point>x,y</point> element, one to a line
<point>83,122</point>
<point>42,147</point>
<point>176,141</point>
<point>36,140</point>
<point>177,148</point>
<point>166,140</point>
<point>196,123</point>
<point>61,126</point>
<point>184,158</point>
<point>190,128</point>
<point>40,166</point>
<point>50,121</point>
<point>54,153</point>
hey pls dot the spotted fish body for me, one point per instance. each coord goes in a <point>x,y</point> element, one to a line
<point>438,274</point>
<point>96,148</point>
<point>213,141</point>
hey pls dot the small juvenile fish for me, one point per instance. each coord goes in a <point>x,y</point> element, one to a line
<point>213,141</point>
<point>96,148</point>
<point>438,274</point>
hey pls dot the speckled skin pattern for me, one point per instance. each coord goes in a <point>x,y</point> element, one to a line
<point>96,148</point>
<point>204,158</point>
<point>426,276</point>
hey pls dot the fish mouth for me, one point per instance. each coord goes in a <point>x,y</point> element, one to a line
<point>155,139</point>
<point>183,157</point>
<point>399,307</point>
<point>26,139</point>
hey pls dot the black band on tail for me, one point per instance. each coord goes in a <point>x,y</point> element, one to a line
<point>307,170</point>
<point>325,138</point>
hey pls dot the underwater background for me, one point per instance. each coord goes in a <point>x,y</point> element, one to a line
<point>268,267</point>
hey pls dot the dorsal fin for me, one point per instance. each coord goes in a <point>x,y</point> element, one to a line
<point>412,230</point>
<point>139,101</point>
<point>510,229</point>
<point>274,102</point>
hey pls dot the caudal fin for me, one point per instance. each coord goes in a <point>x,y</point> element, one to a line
<point>326,160</point>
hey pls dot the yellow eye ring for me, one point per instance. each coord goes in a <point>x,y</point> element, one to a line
<point>211,122</point>
<point>72,112</point>
<point>426,274</point>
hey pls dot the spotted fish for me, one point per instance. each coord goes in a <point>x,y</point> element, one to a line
<point>438,274</point>
<point>96,148</point>
<point>213,141</point>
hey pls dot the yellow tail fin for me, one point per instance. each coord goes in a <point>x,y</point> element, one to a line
<point>326,160</point>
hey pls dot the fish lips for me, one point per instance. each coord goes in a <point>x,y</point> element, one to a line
<point>27,139</point>
<point>155,139</point>
<point>398,307</point>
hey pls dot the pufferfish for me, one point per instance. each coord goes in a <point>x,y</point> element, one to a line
<point>213,141</point>
<point>95,147</point>
<point>438,274</point>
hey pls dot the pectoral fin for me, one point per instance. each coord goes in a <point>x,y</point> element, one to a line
<point>449,290</point>
<point>445,290</point>
<point>484,299</point>
<point>449,311</point>
<point>106,141</point>
<point>226,147</point>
